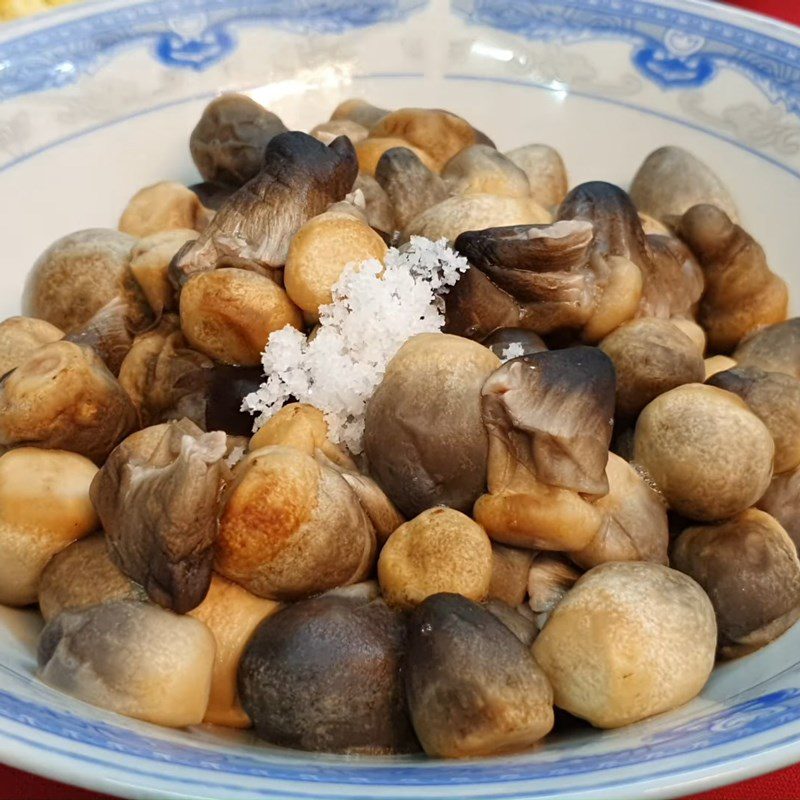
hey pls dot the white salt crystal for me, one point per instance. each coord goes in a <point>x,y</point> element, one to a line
<point>512,350</point>
<point>376,308</point>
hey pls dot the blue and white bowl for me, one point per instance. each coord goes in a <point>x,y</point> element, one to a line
<point>97,100</point>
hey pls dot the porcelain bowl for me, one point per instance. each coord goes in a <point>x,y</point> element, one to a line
<point>97,100</point>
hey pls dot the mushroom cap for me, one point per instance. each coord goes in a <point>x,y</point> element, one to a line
<point>671,180</point>
<point>749,568</point>
<point>20,336</point>
<point>545,170</point>
<point>232,614</point>
<point>212,195</point>
<point>291,527</point>
<point>472,212</point>
<point>441,550</point>
<point>84,575</point>
<point>161,207</point>
<point>150,260</point>
<point>782,501</point>
<point>775,348</point>
<point>44,506</point>
<point>673,281</point>
<point>458,649</point>
<point>371,150</point>
<point>132,658</point>
<point>480,169</point>
<point>319,253</point>
<point>379,209</point>
<point>326,132</point>
<point>229,140</point>
<point>550,577</point>
<point>424,437</point>
<point>79,274</point>
<point>359,111</point>
<point>716,364</point>
<point>510,568</point>
<point>705,451</point>
<point>651,356</point>
<point>63,397</point>
<point>774,398</point>
<point>228,314</point>
<point>628,641</point>
<point>325,675</point>
<point>520,620</point>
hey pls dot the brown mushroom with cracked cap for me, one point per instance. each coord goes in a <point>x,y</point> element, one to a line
<point>774,398</point>
<point>326,132</point>
<point>651,356</point>
<point>549,419</point>
<point>782,501</point>
<point>44,507</point>
<point>457,649</point>
<point>628,641</point>
<point>741,293</point>
<point>20,336</point>
<point>544,167</point>
<point>428,407</point>
<point>300,178</point>
<point>705,451</point>
<point>441,550</point>
<point>748,567</point>
<point>164,206</point>
<point>79,274</point>
<point>635,526</point>
<point>64,398</point>
<point>84,575</point>
<point>775,348</point>
<point>228,314</point>
<point>325,675</point>
<point>359,111</point>
<point>510,568</point>
<point>150,260</point>
<point>157,497</point>
<point>480,169</point>
<point>131,658</point>
<point>671,180</point>
<point>379,210</point>
<point>229,140</point>
<point>232,614</point>
<point>291,527</point>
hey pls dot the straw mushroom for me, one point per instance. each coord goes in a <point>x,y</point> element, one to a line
<point>550,577</point>
<point>749,568</point>
<point>226,388</point>
<point>157,498</point>
<point>359,111</point>
<point>108,333</point>
<point>161,207</point>
<point>775,348</point>
<point>378,207</point>
<point>20,336</point>
<point>716,364</point>
<point>672,281</point>
<point>782,501</point>
<point>545,170</point>
<point>510,568</point>
<point>44,507</point>
<point>457,649</point>
<point>706,452</point>
<point>481,169</point>
<point>150,260</point>
<point>520,620</point>
<point>132,658</point>
<point>628,641</point>
<point>326,132</point>
<point>212,195</point>
<point>508,343</point>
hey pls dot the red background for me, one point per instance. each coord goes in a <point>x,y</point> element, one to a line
<point>783,785</point>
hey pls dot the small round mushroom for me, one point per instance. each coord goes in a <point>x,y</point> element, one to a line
<point>775,348</point>
<point>457,649</point>
<point>379,210</point>
<point>774,398</point>
<point>481,169</point>
<point>79,274</point>
<point>741,293</point>
<point>228,314</point>
<point>320,251</point>
<point>132,658</point>
<point>749,568</point>
<point>291,527</point>
<point>161,207</point>
<point>510,568</point>
<point>544,167</point>
<point>64,398</point>
<point>326,132</point>
<point>371,150</point>
<point>20,336</point>
<point>671,180</point>
<point>651,356</point>
<point>232,614</point>
<point>428,407</point>
<point>705,451</point>
<point>150,260</point>
<point>228,143</point>
<point>628,641</point>
<point>441,550</point>
<point>782,501</point>
<point>44,507</point>
<point>359,111</point>
<point>471,212</point>
<point>84,575</point>
<point>325,675</point>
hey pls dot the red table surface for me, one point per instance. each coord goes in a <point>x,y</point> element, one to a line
<point>782,785</point>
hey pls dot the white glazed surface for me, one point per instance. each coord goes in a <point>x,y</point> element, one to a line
<point>86,119</point>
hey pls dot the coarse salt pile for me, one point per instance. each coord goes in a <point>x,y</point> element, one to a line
<point>376,308</point>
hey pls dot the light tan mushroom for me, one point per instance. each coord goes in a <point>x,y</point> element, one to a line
<point>653,226</point>
<point>44,507</point>
<point>510,568</point>
<point>480,169</point>
<point>161,207</point>
<point>717,364</point>
<point>359,111</point>
<point>629,640</point>
<point>20,336</point>
<point>544,167</point>
<point>691,329</point>
<point>326,132</point>
<point>371,150</point>
<point>150,259</point>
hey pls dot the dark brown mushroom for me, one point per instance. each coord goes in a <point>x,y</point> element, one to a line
<point>379,209</point>
<point>157,497</point>
<point>473,687</point>
<point>227,389</point>
<point>212,195</point>
<point>775,348</point>
<point>325,675</point>
<point>748,567</point>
